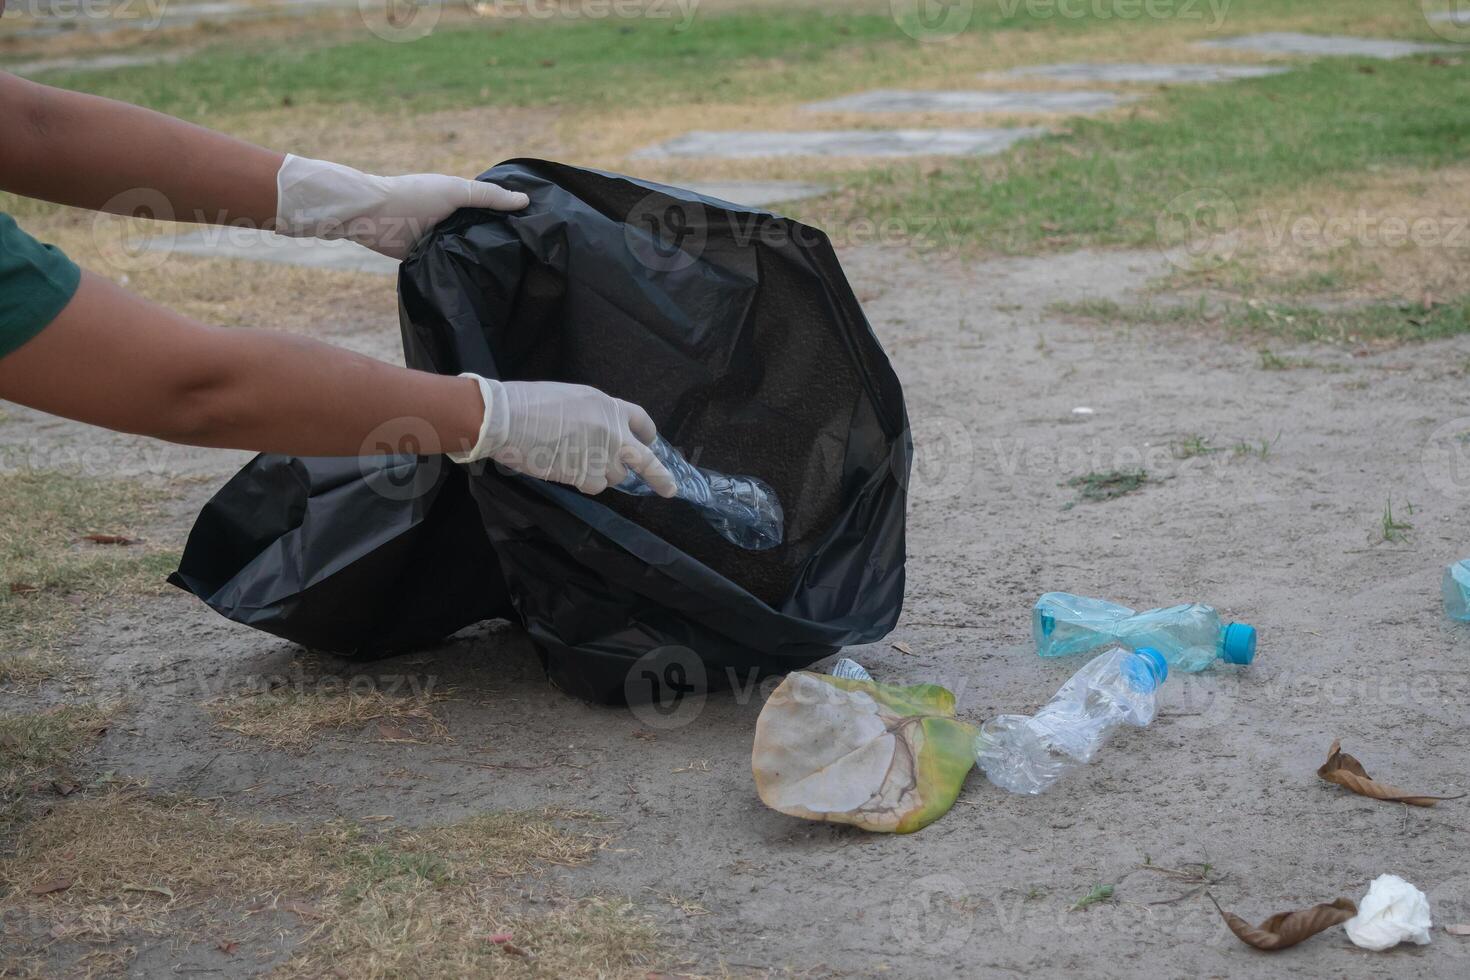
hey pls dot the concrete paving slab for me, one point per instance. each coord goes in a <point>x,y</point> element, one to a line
<point>735,145</point>
<point>262,246</point>
<point>900,100</point>
<point>1287,42</point>
<point>1144,73</point>
<point>61,17</point>
<point>757,193</point>
<point>102,62</point>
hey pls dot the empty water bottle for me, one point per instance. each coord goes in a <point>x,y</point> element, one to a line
<point>1191,637</point>
<point>1027,753</point>
<point>1456,588</point>
<point>742,509</point>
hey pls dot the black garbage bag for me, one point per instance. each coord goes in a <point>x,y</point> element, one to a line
<point>361,557</point>
<point>736,330</point>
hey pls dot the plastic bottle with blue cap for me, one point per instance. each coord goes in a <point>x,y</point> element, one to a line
<point>1028,753</point>
<point>1191,637</point>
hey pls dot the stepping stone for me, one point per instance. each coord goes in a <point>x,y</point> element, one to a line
<point>757,193</point>
<point>262,246</point>
<point>59,16</point>
<point>1145,73</point>
<point>736,145</point>
<point>897,100</point>
<point>102,62</point>
<point>1286,42</point>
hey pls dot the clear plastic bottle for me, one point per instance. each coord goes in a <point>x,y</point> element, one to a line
<point>1027,753</point>
<point>1191,637</point>
<point>742,509</point>
<point>1456,589</point>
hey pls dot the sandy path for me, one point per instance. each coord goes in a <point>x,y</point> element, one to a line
<point>1352,645</point>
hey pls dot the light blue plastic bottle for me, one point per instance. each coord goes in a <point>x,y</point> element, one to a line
<point>1191,637</point>
<point>1456,590</point>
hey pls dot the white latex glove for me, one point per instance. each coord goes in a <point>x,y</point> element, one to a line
<point>1392,912</point>
<point>566,433</point>
<point>317,199</point>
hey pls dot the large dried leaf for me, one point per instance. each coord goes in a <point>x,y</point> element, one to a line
<point>1286,929</point>
<point>1344,770</point>
<point>857,752</point>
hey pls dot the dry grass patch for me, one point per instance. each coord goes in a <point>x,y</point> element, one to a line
<point>38,748</point>
<point>1400,235</point>
<point>52,573</point>
<point>294,719</point>
<point>428,903</point>
<point>222,292</point>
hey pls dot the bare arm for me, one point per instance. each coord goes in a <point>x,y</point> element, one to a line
<point>82,150</point>
<point>114,359</point>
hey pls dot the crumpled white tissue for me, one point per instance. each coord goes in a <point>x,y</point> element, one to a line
<point>1392,912</point>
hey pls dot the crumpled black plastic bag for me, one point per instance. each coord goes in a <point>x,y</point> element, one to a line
<point>358,557</point>
<point>737,331</point>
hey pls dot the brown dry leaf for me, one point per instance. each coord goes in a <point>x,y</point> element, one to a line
<point>903,647</point>
<point>23,588</point>
<point>1288,928</point>
<point>227,946</point>
<point>107,539</point>
<point>51,887</point>
<point>392,733</point>
<point>150,890</point>
<point>1458,929</point>
<point>1346,771</point>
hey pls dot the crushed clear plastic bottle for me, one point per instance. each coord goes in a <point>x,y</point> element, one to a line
<point>742,509</point>
<point>850,669</point>
<point>1028,753</point>
<point>1191,637</point>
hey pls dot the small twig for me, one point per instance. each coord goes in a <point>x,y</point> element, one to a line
<point>1179,898</point>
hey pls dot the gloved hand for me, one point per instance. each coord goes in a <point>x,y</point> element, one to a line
<point>567,433</point>
<point>317,199</point>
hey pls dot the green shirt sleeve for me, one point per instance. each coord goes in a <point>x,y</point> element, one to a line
<point>36,283</point>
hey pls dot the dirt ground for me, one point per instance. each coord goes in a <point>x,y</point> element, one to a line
<point>1352,645</point>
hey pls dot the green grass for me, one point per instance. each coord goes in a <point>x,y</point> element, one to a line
<point>1107,182</point>
<point>1108,485</point>
<point>612,62</point>
<point>1394,529</point>
<point>40,748</point>
<point>1261,447</point>
<point>1370,323</point>
<point>1192,446</point>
